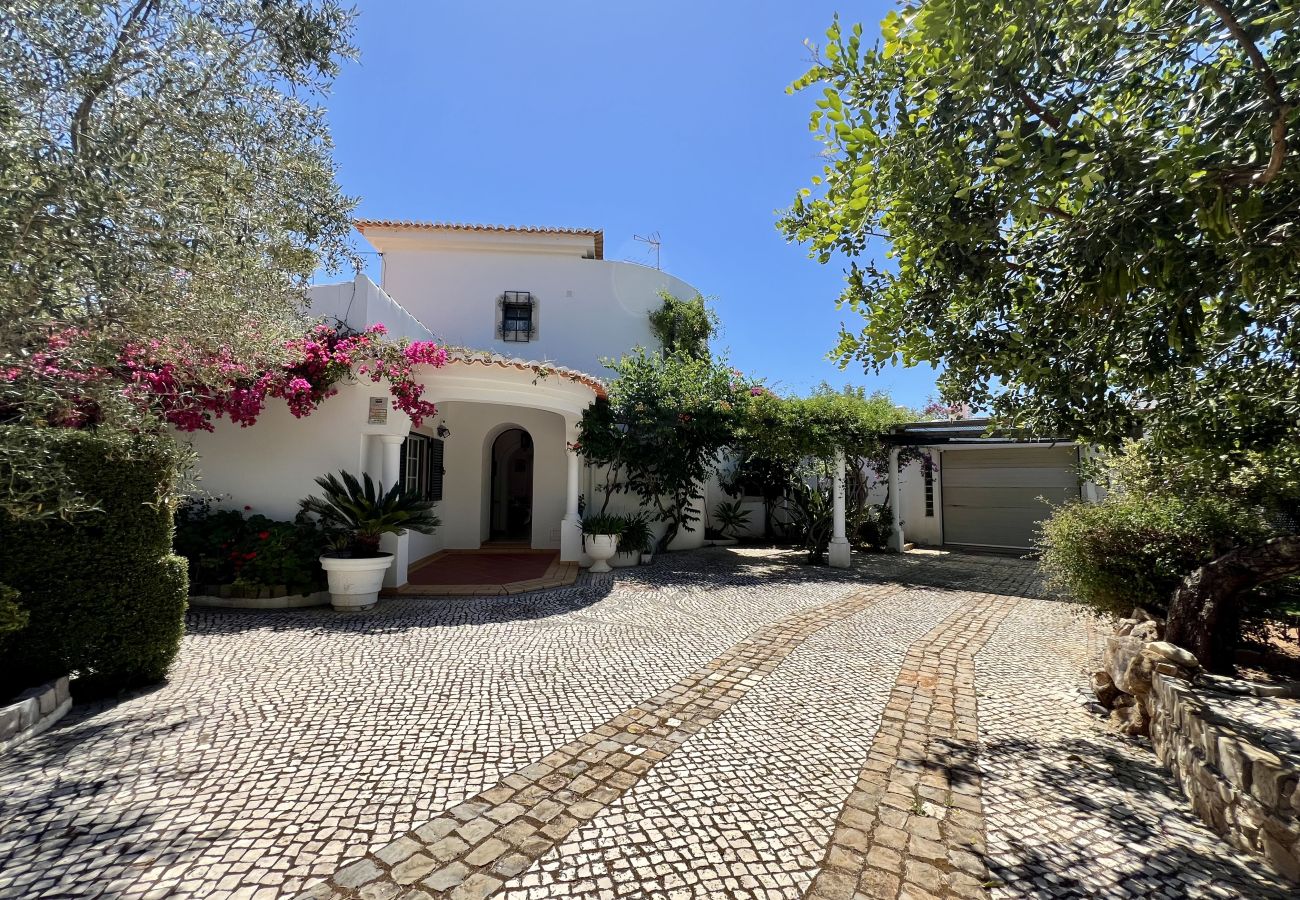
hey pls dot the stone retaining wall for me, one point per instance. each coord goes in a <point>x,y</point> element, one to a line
<point>33,712</point>
<point>1245,792</point>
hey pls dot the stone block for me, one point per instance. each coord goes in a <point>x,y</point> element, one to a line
<point>1150,630</point>
<point>10,722</point>
<point>1131,719</point>
<point>357,873</point>
<point>1286,829</point>
<point>413,869</point>
<point>1119,655</point>
<point>1174,654</point>
<point>1103,686</point>
<point>29,713</point>
<point>1233,763</point>
<point>1282,857</point>
<point>1249,813</point>
<point>47,699</point>
<point>1267,773</point>
<point>61,691</point>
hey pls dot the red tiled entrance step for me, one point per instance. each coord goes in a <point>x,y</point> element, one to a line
<point>482,568</point>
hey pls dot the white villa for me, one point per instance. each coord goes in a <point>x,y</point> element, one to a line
<point>540,308</point>
<point>536,311</point>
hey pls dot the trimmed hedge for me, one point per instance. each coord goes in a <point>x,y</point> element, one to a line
<point>103,594</point>
<point>1133,550</point>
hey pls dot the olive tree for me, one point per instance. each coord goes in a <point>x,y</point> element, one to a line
<point>1092,220</point>
<point>166,180</point>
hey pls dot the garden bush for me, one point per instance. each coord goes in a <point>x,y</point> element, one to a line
<point>103,595</point>
<point>1134,548</point>
<point>12,615</point>
<point>228,547</point>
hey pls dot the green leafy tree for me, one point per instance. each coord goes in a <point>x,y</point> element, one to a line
<point>167,176</point>
<point>785,449</point>
<point>1090,212</point>
<point>658,436</point>
<point>684,326</point>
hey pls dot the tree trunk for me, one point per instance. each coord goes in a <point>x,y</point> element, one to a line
<point>1206,606</point>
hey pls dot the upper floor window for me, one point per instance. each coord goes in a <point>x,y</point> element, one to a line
<point>516,316</point>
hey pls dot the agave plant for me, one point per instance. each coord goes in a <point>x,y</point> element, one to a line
<point>363,511</point>
<point>730,517</point>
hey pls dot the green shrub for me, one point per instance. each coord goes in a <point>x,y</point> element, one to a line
<point>603,524</point>
<point>223,546</point>
<point>634,535</point>
<point>12,615</point>
<point>1134,549</point>
<point>104,595</point>
<point>871,524</point>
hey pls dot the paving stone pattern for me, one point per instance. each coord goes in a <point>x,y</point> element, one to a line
<point>913,824</point>
<point>1074,810</point>
<point>467,850</point>
<point>726,820</point>
<point>708,726</point>
<point>286,742</point>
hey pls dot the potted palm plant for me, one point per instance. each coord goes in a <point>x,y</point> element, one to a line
<point>359,513</point>
<point>600,539</point>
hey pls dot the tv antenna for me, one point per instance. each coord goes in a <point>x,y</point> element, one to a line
<point>653,240</point>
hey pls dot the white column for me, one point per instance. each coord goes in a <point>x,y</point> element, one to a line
<point>839,548</point>
<point>396,544</point>
<point>895,504</point>
<point>571,526</point>
<point>392,459</point>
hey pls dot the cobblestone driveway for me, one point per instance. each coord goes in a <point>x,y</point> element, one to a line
<point>720,724</point>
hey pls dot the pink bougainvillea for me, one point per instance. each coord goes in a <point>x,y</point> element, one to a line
<point>189,389</point>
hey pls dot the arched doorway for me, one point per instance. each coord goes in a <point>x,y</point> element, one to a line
<point>510,507</point>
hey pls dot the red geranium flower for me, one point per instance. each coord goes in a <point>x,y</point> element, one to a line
<point>263,535</point>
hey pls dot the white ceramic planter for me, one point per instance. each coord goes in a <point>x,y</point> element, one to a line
<point>647,557</point>
<point>623,560</point>
<point>601,548</point>
<point>355,582</point>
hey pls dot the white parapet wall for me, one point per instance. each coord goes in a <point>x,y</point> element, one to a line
<point>361,303</point>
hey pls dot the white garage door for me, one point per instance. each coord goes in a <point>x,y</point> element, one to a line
<point>995,498</point>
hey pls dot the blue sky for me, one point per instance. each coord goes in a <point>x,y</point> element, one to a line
<point>666,117</point>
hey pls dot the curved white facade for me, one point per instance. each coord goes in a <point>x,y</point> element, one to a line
<point>444,282</point>
<point>588,309</point>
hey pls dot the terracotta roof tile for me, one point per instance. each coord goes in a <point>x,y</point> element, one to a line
<point>597,234</point>
<point>488,358</point>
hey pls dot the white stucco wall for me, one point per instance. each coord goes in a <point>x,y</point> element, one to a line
<point>917,526</point>
<point>587,309</point>
<point>270,466</point>
<point>360,303</point>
